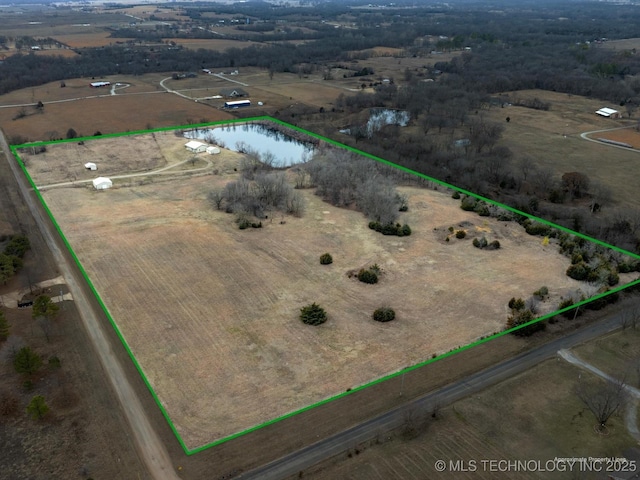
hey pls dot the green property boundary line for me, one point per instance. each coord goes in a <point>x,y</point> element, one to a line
<point>15,148</point>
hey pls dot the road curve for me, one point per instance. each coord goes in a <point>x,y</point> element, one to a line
<point>150,447</point>
<point>302,459</point>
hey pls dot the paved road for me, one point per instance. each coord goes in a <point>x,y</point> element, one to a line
<point>303,459</point>
<point>150,447</point>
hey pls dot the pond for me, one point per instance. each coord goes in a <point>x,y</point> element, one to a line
<point>255,138</point>
<point>378,118</point>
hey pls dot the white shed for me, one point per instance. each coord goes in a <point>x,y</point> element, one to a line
<point>195,146</point>
<point>90,166</point>
<point>102,183</point>
<point>609,113</point>
<point>213,150</point>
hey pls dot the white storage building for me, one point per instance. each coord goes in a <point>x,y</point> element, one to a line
<point>195,146</point>
<point>212,150</point>
<point>609,113</point>
<point>90,166</point>
<point>102,183</point>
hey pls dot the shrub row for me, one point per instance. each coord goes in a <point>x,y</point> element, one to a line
<point>391,229</point>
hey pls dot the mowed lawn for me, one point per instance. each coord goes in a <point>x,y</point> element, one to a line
<point>211,312</point>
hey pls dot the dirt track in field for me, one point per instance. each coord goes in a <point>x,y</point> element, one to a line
<point>211,311</point>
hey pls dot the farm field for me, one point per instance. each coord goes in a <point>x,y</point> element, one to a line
<point>210,312</point>
<point>219,44</point>
<point>627,135</point>
<point>107,114</point>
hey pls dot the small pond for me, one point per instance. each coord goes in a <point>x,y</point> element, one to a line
<point>261,139</point>
<point>378,118</point>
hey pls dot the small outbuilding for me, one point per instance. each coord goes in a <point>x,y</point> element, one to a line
<point>233,92</point>
<point>102,183</point>
<point>609,113</point>
<point>195,146</point>
<point>213,150</point>
<point>90,166</point>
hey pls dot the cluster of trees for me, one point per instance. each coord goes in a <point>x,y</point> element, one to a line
<point>264,193</point>
<point>12,255</point>
<point>344,180</point>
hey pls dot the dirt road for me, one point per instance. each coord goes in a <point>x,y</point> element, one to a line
<point>151,448</point>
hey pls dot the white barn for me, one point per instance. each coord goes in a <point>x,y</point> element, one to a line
<point>195,146</point>
<point>213,150</point>
<point>90,166</point>
<point>609,113</point>
<point>102,183</point>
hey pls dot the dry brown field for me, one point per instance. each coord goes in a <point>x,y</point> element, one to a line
<point>503,422</point>
<point>212,44</point>
<point>81,39</point>
<point>628,135</point>
<point>109,114</point>
<point>551,139</point>
<point>210,311</point>
<point>625,44</point>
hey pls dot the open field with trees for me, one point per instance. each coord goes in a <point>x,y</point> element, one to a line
<point>490,426</point>
<point>160,256</point>
<point>551,63</point>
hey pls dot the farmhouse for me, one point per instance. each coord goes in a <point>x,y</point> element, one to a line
<point>213,150</point>
<point>233,92</point>
<point>102,183</point>
<point>90,166</point>
<point>237,104</point>
<point>609,113</point>
<point>99,84</point>
<point>195,146</point>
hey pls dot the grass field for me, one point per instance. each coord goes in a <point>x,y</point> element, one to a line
<point>551,139</point>
<point>502,423</point>
<point>211,311</point>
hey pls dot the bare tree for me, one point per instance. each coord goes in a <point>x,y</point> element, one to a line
<point>630,318</point>
<point>216,198</point>
<point>542,180</point>
<point>603,399</point>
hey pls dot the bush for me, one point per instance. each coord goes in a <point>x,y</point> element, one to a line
<point>541,229</point>
<point>541,293</point>
<point>313,314</point>
<point>516,304</point>
<point>569,313</point>
<point>468,204</point>
<point>384,314</point>
<point>455,195</point>
<point>390,228</point>
<point>481,243</point>
<point>326,259</point>
<point>521,317</point>
<point>461,234</point>
<point>579,271</point>
<point>495,245</point>
<point>367,276</point>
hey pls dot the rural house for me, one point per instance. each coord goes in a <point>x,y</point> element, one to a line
<point>233,92</point>
<point>195,146</point>
<point>102,183</point>
<point>609,113</point>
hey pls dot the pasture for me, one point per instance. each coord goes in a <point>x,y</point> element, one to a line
<point>210,311</point>
<point>500,423</point>
<point>551,140</point>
